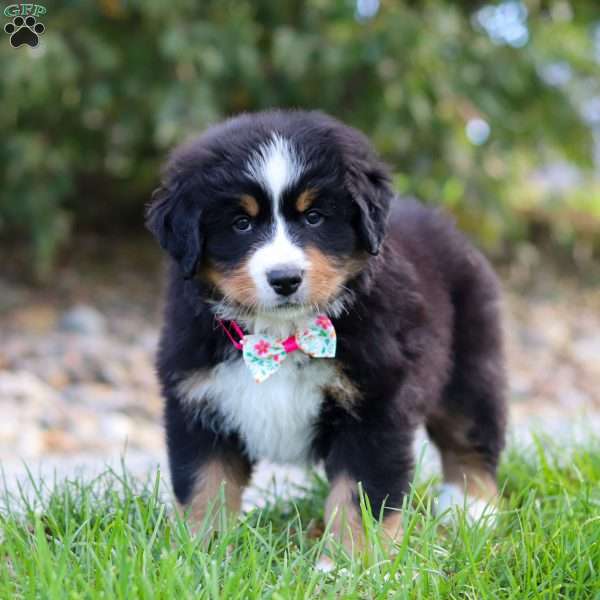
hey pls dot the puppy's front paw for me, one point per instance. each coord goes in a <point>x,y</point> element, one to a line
<point>451,499</point>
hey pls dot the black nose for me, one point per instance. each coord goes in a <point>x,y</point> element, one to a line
<point>285,281</point>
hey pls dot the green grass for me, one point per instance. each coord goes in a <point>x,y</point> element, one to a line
<point>112,538</point>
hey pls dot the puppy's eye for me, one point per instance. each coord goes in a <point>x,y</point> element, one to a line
<point>242,224</point>
<point>313,218</point>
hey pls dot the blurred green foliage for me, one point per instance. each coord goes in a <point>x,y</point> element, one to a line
<point>89,115</point>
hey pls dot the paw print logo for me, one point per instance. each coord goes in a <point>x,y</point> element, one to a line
<point>24,31</point>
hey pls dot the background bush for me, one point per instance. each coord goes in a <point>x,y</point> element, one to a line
<point>89,115</point>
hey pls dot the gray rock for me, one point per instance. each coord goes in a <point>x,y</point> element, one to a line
<point>83,319</point>
<point>587,352</point>
<point>21,387</point>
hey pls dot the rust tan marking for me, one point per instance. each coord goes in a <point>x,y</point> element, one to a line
<point>206,497</point>
<point>461,464</point>
<point>356,264</point>
<point>342,390</point>
<point>250,205</point>
<point>191,388</point>
<point>470,475</point>
<point>325,277</point>
<point>236,284</point>
<point>342,511</point>
<point>392,527</point>
<point>305,200</point>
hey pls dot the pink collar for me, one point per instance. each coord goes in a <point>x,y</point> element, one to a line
<point>290,344</point>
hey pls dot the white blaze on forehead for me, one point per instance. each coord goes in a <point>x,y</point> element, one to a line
<point>276,166</point>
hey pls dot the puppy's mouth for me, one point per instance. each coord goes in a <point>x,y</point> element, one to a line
<point>285,309</point>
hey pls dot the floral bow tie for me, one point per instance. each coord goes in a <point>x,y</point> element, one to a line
<point>263,354</point>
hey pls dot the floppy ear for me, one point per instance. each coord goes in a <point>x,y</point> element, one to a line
<point>174,219</point>
<point>369,186</point>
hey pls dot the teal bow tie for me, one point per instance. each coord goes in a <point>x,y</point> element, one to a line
<point>264,354</point>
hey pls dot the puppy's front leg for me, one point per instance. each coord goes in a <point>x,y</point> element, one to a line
<point>380,459</point>
<point>206,467</point>
<point>218,486</point>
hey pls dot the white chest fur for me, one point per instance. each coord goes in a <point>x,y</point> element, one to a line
<point>276,418</point>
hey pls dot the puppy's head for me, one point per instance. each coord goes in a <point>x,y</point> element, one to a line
<point>276,211</point>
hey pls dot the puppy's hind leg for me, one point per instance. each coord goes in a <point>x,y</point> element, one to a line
<point>468,426</point>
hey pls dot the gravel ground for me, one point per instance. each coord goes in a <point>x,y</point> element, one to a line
<point>78,390</point>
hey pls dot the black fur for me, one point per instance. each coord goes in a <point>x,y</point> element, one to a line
<point>420,338</point>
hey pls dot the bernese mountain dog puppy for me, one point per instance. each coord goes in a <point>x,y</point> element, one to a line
<point>313,315</point>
